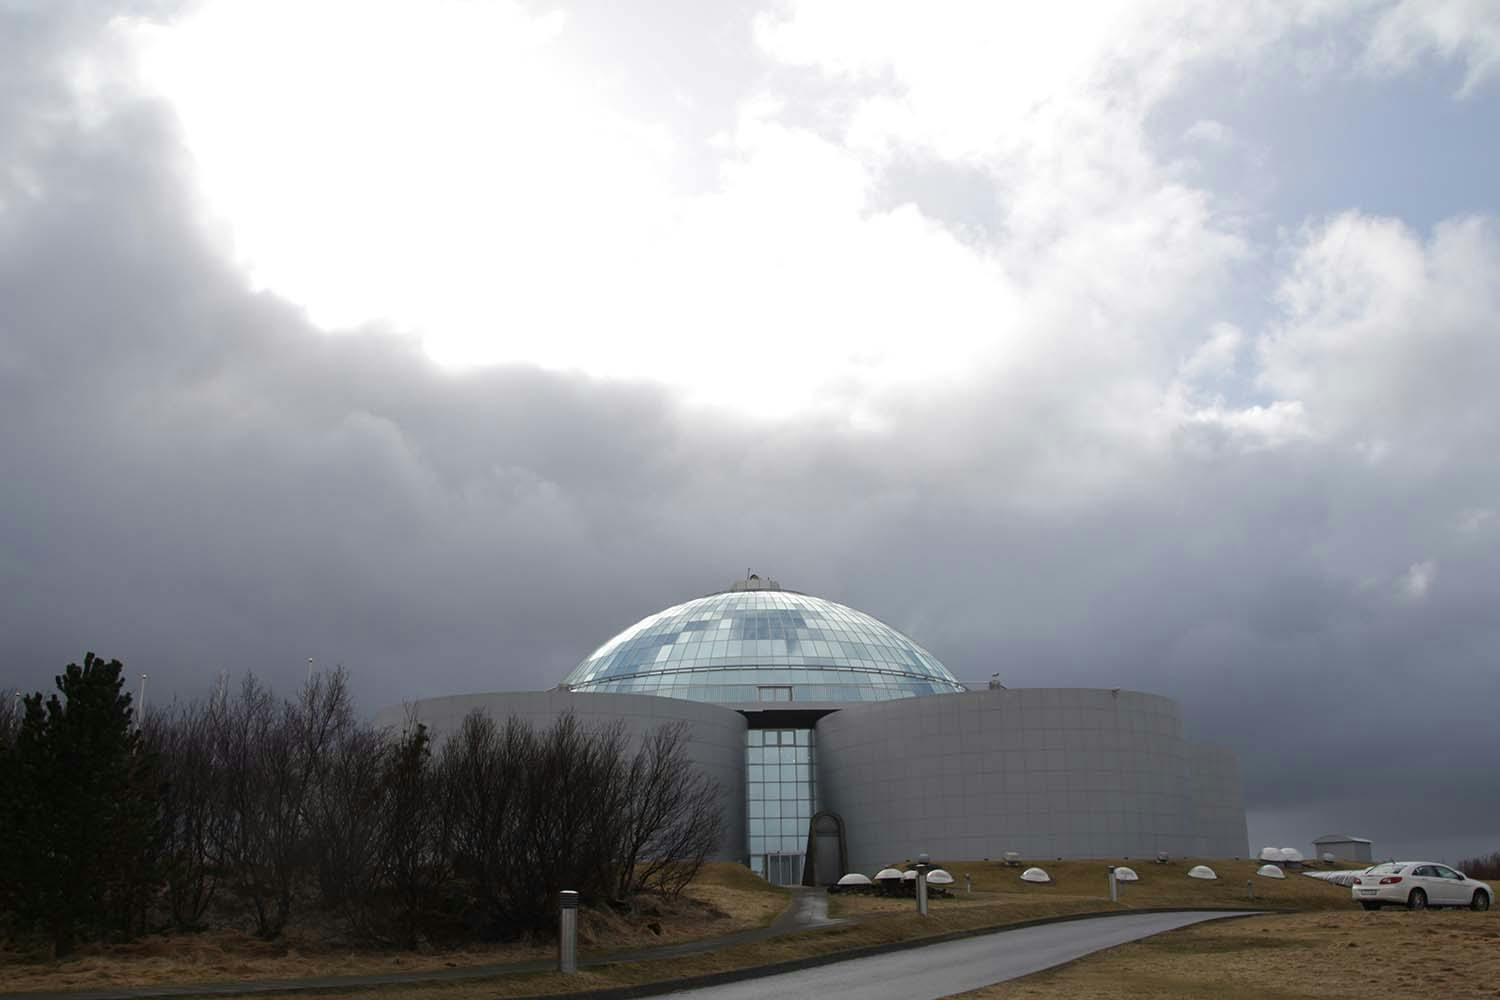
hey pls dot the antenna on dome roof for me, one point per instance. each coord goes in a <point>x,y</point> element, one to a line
<point>753,582</point>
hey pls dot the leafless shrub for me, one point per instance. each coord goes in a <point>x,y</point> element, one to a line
<point>10,717</point>
<point>416,834</point>
<point>1485,866</point>
<point>480,775</point>
<point>182,737</point>
<point>262,805</point>
<point>569,808</point>
<point>345,814</point>
<point>272,756</point>
<point>671,821</point>
<point>571,814</point>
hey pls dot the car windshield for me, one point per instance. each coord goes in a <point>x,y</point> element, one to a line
<point>1389,868</point>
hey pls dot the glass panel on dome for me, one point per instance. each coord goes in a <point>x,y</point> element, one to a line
<point>810,648</point>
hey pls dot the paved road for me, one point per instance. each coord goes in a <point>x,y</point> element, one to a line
<point>941,970</point>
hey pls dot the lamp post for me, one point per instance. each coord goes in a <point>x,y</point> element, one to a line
<point>923,866</point>
<point>567,932</point>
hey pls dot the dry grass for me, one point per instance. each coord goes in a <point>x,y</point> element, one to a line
<point>725,898</point>
<point>1344,955</point>
<point>740,894</point>
<point>877,930</point>
<point>999,898</point>
<point>998,885</point>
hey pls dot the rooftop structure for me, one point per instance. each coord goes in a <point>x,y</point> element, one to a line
<point>759,643</point>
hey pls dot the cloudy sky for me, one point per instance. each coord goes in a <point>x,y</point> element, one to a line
<point>1145,344</point>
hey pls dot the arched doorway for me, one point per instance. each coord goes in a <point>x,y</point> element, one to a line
<point>827,850</point>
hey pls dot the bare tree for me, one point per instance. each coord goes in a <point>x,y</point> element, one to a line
<point>480,772</point>
<point>188,803</point>
<point>10,717</point>
<point>1483,867</point>
<point>273,756</point>
<point>346,814</point>
<point>672,821</point>
<point>571,808</point>
<point>415,837</point>
<point>266,801</point>
<point>240,730</point>
<point>573,804</point>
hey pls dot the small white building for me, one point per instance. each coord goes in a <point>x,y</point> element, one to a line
<point>1342,846</point>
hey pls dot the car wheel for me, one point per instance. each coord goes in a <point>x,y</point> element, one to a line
<point>1481,901</point>
<point>1417,900</point>
<point>1370,906</point>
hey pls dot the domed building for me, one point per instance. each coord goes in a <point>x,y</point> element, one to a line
<point>840,744</point>
<point>756,642</point>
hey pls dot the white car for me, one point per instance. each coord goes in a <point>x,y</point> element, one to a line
<point>1417,885</point>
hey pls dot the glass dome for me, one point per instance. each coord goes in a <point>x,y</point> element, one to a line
<point>763,644</point>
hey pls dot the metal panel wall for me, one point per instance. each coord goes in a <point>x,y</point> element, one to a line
<point>1046,772</point>
<point>1218,798</point>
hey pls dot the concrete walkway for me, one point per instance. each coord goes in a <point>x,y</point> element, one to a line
<point>807,910</point>
<point>941,970</point>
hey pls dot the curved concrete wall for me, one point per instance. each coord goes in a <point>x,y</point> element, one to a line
<point>1219,800</point>
<point>717,740</point>
<point>1046,772</point>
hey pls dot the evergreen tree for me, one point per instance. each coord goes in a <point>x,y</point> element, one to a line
<point>79,810</point>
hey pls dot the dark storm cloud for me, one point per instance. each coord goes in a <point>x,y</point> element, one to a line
<point>196,479</point>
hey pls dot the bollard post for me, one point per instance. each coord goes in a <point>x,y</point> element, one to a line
<point>1250,888</point>
<point>922,866</point>
<point>968,885</point>
<point>1114,886</point>
<point>567,932</point>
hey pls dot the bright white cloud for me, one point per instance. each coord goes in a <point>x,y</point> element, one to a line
<point>456,170</point>
<point>1218,355</point>
<point>453,173</point>
<point>1388,336</point>
<point>1464,30</point>
<point>443,166</point>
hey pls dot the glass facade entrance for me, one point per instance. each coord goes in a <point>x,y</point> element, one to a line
<point>781,799</point>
